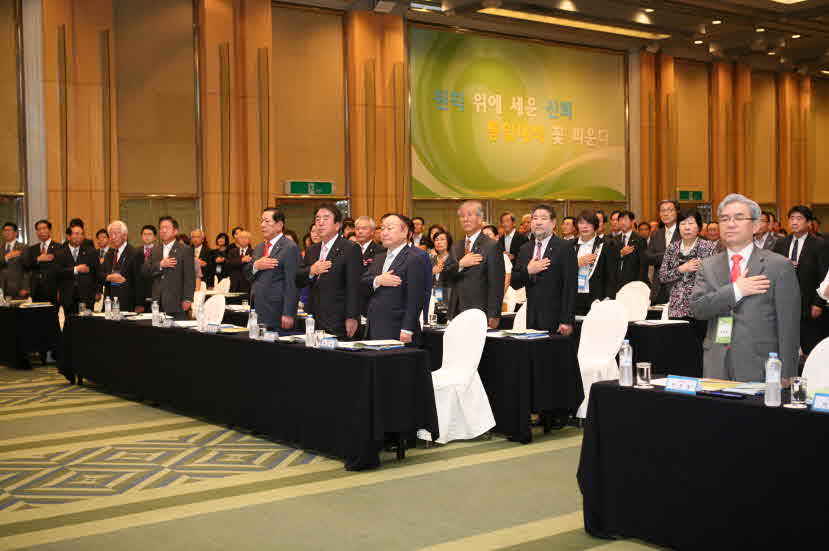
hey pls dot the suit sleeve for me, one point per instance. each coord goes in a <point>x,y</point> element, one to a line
<point>247,269</point>
<point>367,279</point>
<point>611,261</point>
<point>415,293</point>
<point>353,273</point>
<point>570,270</point>
<point>495,276</point>
<point>450,273</point>
<point>787,305</point>
<point>303,272</point>
<point>520,277</point>
<point>652,256</point>
<point>290,263</point>
<point>188,276</point>
<point>709,300</point>
<point>139,284</point>
<point>822,266</point>
<point>153,267</point>
<point>63,267</point>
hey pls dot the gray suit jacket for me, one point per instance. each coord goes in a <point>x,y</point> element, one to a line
<point>172,286</point>
<point>770,241</point>
<point>274,292</point>
<point>480,286</point>
<point>13,277</point>
<point>764,323</point>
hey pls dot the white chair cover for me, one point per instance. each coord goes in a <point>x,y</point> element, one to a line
<point>462,404</point>
<point>636,298</point>
<point>222,287</point>
<point>666,312</point>
<point>215,281</point>
<point>203,286</point>
<point>520,318</point>
<point>816,369</point>
<point>510,299</point>
<point>823,288</point>
<point>214,309</point>
<point>602,333</point>
<point>198,299</point>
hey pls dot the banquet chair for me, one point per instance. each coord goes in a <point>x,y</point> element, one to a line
<point>214,309</point>
<point>636,298</point>
<point>602,334</point>
<point>666,311</point>
<point>511,299</point>
<point>816,369</point>
<point>203,286</point>
<point>198,299</point>
<point>521,318</point>
<point>222,287</point>
<point>461,401</point>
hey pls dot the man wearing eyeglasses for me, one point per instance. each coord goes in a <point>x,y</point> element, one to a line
<point>751,299</point>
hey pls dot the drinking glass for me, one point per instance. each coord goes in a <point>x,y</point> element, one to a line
<point>81,308</point>
<point>433,319</point>
<point>799,393</point>
<point>643,375</point>
<point>262,330</point>
<point>319,334</point>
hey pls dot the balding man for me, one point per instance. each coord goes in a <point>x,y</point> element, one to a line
<point>475,268</point>
<point>120,274</point>
<point>204,256</point>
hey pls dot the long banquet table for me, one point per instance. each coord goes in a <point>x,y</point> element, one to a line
<point>26,330</point>
<point>696,472</point>
<point>336,402</point>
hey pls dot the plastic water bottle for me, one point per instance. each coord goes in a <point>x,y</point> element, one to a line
<point>2,298</point>
<point>108,308</point>
<point>310,336</point>
<point>201,318</point>
<point>253,325</point>
<point>156,314</point>
<point>116,310</point>
<point>626,364</point>
<point>774,370</point>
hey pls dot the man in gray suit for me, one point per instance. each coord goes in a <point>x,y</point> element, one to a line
<point>272,273</point>
<point>14,280</point>
<point>764,238</point>
<point>754,290</point>
<point>172,270</point>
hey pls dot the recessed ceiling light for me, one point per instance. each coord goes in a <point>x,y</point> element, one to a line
<point>649,10</point>
<point>824,71</point>
<point>565,22</point>
<point>697,42</point>
<point>716,22</point>
<point>772,53</point>
<point>795,36</point>
<point>760,30</point>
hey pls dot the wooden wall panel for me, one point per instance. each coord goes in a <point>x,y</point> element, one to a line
<point>10,161</point>
<point>693,128</point>
<point>761,182</point>
<point>819,143</point>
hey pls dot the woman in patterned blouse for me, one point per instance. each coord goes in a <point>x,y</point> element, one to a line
<point>679,268</point>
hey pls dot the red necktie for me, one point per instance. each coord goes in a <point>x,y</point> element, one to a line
<point>146,253</point>
<point>735,267</point>
<point>115,257</point>
<point>267,248</point>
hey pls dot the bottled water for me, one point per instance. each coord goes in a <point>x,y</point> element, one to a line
<point>253,325</point>
<point>108,308</point>
<point>310,336</point>
<point>201,318</point>
<point>774,370</point>
<point>626,364</point>
<point>2,298</point>
<point>156,314</point>
<point>441,309</point>
<point>116,310</point>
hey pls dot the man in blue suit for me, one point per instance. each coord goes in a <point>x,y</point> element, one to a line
<point>395,285</point>
<point>272,273</point>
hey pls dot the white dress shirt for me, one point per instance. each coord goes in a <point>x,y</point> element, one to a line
<point>745,254</point>
<point>585,247</point>
<point>823,288</point>
<point>326,247</point>
<point>669,235</point>
<point>75,251</point>
<point>46,244</point>
<point>508,240</point>
<point>165,250</point>
<point>626,238</point>
<point>197,251</point>
<point>365,245</point>
<point>800,242</point>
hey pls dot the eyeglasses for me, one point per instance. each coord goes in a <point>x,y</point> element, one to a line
<point>737,218</point>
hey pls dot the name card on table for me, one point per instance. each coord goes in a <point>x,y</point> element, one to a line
<point>329,343</point>
<point>821,403</point>
<point>682,385</point>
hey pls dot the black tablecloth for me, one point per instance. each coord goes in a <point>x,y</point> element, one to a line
<point>521,377</point>
<point>693,472</point>
<point>673,349</point>
<point>25,330</point>
<point>336,402</point>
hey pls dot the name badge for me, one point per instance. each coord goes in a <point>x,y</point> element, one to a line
<point>821,403</point>
<point>438,293</point>
<point>582,283</point>
<point>682,385</point>
<point>270,336</point>
<point>725,325</point>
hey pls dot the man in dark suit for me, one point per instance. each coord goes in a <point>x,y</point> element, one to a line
<point>204,256</point>
<point>77,222</point>
<point>172,269</point>
<point>512,241</point>
<point>120,274</point>
<point>332,269</point>
<point>475,268</point>
<point>14,279</point>
<point>395,285</point>
<point>631,249</point>
<point>765,238</point>
<point>808,257</point>
<point>77,270</point>
<point>598,261</point>
<point>102,244</point>
<point>548,269</point>
<point>272,273</point>
<point>238,257</point>
<point>40,262</point>
<point>660,240</point>
<point>364,228</point>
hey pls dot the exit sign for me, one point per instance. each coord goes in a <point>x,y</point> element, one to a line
<point>308,187</point>
<point>690,196</point>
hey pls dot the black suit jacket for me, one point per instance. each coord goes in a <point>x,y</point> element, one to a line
<point>172,286</point>
<point>480,286</point>
<point>392,309</point>
<point>660,292</point>
<point>632,267</point>
<point>133,291</point>
<point>372,251</point>
<point>74,288</point>
<point>334,296</point>
<point>518,241</point>
<point>239,283</point>
<point>603,283</point>
<point>551,294</point>
<point>44,278</point>
<point>220,269</point>
<point>208,271</point>
<point>811,269</point>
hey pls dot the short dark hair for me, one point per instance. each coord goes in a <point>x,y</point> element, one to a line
<point>507,213</point>
<point>73,224</point>
<point>691,213</point>
<point>172,221</point>
<point>674,202</point>
<point>234,230</point>
<point>801,209</point>
<point>151,228</point>
<point>227,238</point>
<point>646,224</point>
<point>407,222</point>
<point>600,212</point>
<point>589,216</point>
<point>627,214</point>
<point>101,231</point>
<point>333,209</point>
<point>276,214</point>
<point>292,235</point>
<point>11,225</point>
<point>767,214</point>
<point>422,221</point>
<point>772,217</point>
<point>548,207</point>
<point>183,237</point>
<point>76,222</point>
<point>43,221</point>
<point>448,239</point>
<point>617,212</point>
<point>491,227</point>
<point>573,218</point>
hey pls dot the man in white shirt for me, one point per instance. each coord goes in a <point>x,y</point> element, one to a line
<point>512,240</point>
<point>203,255</point>
<point>661,239</point>
<point>732,291</point>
